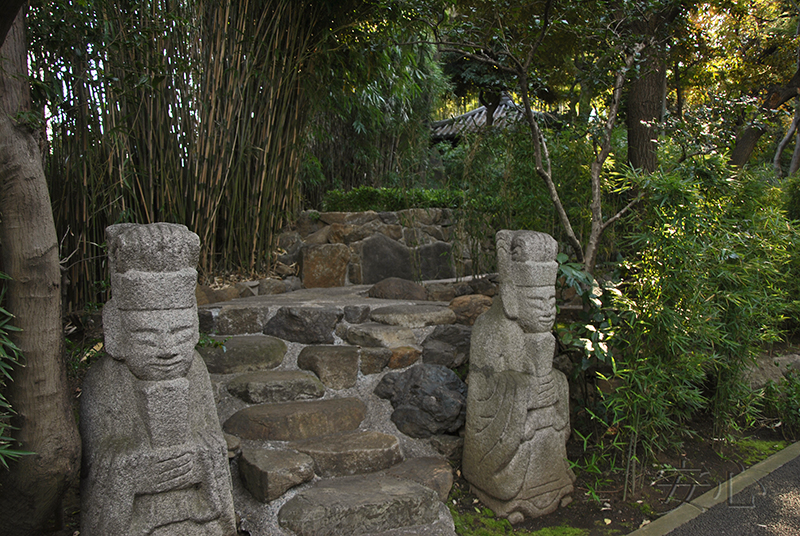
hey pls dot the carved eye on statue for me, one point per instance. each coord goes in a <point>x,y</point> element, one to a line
<point>518,253</point>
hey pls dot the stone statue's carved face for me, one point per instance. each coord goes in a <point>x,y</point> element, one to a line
<point>537,308</point>
<point>157,345</point>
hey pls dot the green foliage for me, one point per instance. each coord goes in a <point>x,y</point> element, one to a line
<point>366,198</point>
<point>496,171</point>
<point>80,355</point>
<point>602,452</point>
<point>207,341</point>
<point>782,404</point>
<point>147,126</point>
<point>371,128</point>
<point>791,193</point>
<point>709,280</point>
<point>593,335</point>
<point>10,357</point>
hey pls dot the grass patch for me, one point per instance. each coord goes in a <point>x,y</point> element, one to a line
<point>752,451</point>
<point>484,523</point>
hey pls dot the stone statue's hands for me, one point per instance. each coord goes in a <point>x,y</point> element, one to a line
<point>170,468</point>
<point>547,395</point>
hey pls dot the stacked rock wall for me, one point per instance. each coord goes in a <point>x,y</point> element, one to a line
<point>331,249</point>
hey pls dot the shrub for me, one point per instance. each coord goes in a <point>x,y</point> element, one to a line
<point>366,198</point>
<point>709,280</point>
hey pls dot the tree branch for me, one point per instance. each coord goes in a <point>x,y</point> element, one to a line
<point>624,210</point>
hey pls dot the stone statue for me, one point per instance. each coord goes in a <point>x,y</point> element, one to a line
<point>517,405</point>
<point>154,459</point>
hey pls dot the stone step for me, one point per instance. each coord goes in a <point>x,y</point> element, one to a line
<point>268,474</point>
<point>336,366</point>
<point>375,335</point>
<point>433,473</point>
<point>366,504</point>
<point>351,453</point>
<point>244,353</point>
<point>413,316</point>
<point>276,386</point>
<point>305,324</point>
<point>290,421</point>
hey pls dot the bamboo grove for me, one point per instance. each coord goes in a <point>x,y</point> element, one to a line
<point>188,112</point>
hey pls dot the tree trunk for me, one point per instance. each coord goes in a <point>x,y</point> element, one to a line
<point>645,104</point>
<point>746,142</point>
<point>31,490</point>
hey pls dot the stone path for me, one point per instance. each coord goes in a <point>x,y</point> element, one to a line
<point>314,450</point>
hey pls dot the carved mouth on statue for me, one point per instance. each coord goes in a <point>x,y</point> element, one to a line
<point>167,364</point>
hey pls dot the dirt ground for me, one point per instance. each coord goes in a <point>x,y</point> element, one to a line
<point>674,478</point>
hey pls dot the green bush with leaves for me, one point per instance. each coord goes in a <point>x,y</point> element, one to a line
<point>10,356</point>
<point>366,198</point>
<point>782,404</point>
<point>709,280</point>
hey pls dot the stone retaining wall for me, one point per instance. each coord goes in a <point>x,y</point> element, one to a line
<point>332,249</point>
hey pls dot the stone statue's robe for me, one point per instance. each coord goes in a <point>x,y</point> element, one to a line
<point>517,419</point>
<point>124,422</point>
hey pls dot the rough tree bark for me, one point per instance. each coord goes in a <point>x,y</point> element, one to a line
<point>31,490</point>
<point>645,104</point>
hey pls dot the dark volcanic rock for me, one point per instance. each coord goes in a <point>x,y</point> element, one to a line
<point>382,257</point>
<point>447,345</point>
<point>427,400</point>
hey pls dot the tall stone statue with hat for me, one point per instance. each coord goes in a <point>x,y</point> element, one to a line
<point>517,405</point>
<point>155,462</point>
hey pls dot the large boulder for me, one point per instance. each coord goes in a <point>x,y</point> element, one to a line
<point>376,335</point>
<point>374,360</point>
<point>382,257</point>
<point>433,473</point>
<point>413,316</point>
<point>435,261</point>
<point>427,400</point>
<point>325,266</point>
<point>469,308</point>
<point>240,320</point>
<point>351,453</point>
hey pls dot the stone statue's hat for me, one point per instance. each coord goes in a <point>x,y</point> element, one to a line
<point>152,266</point>
<point>527,258</point>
